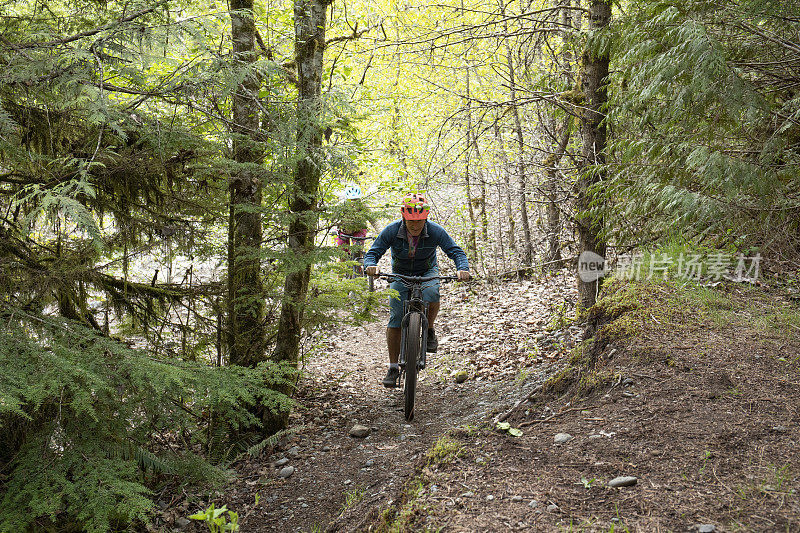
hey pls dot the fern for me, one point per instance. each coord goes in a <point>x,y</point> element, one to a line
<point>69,395</point>
<point>97,179</point>
<point>256,449</point>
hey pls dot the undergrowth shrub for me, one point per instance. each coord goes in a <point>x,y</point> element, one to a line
<point>87,423</point>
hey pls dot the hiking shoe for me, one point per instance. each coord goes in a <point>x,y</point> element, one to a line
<point>433,342</point>
<point>392,374</point>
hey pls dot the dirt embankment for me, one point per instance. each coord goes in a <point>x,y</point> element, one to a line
<point>686,398</point>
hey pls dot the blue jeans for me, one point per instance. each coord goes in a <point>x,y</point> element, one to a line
<point>430,293</point>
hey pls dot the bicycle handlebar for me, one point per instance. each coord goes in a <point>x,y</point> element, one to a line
<point>345,235</point>
<point>414,279</point>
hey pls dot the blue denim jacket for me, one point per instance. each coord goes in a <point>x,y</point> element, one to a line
<point>433,235</point>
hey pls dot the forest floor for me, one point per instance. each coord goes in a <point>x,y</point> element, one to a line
<point>690,393</point>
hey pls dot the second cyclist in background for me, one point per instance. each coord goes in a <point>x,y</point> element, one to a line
<point>354,217</point>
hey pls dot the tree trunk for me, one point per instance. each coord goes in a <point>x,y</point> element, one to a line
<point>594,147</point>
<point>479,171</point>
<point>472,241</point>
<point>309,23</point>
<point>483,214</point>
<point>552,258</point>
<point>512,231</point>
<point>499,245</point>
<point>246,307</point>
<point>527,244</point>
<point>397,149</point>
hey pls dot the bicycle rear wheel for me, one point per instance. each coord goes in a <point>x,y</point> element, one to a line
<point>412,353</point>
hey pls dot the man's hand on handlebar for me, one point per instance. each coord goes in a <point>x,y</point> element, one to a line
<point>463,275</point>
<point>373,271</point>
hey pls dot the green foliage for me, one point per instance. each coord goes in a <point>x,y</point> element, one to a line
<point>335,291</point>
<point>216,520</point>
<point>505,426</point>
<point>352,497</point>
<point>117,149</point>
<point>401,516</point>
<point>446,450</point>
<point>256,449</point>
<point>78,413</point>
<point>559,318</point>
<point>706,139</point>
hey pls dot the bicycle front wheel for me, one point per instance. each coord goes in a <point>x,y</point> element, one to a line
<point>412,353</point>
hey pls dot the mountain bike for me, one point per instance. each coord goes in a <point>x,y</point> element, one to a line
<point>357,254</point>
<point>414,334</point>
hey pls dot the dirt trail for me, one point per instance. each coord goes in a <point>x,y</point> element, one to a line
<point>342,388</point>
<point>697,408</point>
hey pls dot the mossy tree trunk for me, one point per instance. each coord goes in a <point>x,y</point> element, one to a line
<point>309,23</point>
<point>595,72</point>
<point>246,306</point>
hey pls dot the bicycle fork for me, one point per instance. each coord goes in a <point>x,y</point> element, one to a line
<point>404,336</point>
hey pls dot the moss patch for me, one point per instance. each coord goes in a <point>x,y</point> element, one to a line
<point>637,313</point>
<point>446,450</point>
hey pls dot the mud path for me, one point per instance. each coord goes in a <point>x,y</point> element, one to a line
<point>331,471</point>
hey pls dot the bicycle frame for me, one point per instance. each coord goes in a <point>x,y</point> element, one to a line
<point>356,251</point>
<point>357,255</point>
<point>414,304</point>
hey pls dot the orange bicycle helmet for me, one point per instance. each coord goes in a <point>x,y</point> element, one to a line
<point>415,207</point>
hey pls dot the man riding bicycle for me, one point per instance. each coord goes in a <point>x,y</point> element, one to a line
<point>413,240</point>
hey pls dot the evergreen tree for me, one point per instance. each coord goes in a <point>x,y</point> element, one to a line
<point>113,152</point>
<point>705,113</point>
<point>593,129</point>
<point>310,26</point>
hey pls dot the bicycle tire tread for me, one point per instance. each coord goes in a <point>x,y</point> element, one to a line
<point>412,352</point>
